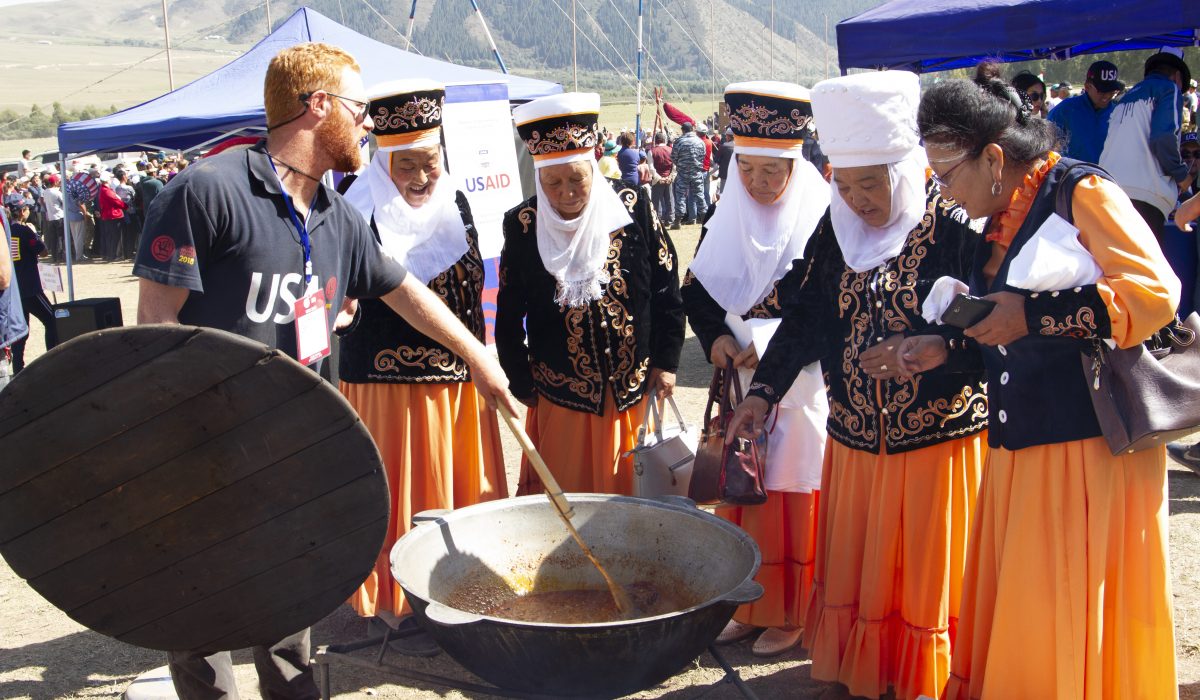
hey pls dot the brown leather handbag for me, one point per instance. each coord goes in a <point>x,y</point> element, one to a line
<point>1147,395</point>
<point>727,474</point>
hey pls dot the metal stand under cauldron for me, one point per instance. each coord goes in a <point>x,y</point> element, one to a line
<point>341,653</point>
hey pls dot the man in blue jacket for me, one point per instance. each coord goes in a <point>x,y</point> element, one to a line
<point>1083,119</point>
<point>1142,148</point>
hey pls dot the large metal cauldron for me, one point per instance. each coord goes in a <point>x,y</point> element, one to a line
<point>520,545</point>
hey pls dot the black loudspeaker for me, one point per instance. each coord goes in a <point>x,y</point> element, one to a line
<point>81,316</point>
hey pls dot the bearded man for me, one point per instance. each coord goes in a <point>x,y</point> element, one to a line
<point>246,240</point>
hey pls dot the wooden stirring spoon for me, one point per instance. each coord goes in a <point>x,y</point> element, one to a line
<point>564,510</point>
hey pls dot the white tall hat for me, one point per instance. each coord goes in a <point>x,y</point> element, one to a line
<point>867,118</point>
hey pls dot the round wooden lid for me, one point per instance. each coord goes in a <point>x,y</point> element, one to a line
<point>184,488</point>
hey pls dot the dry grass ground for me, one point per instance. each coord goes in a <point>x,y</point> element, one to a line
<point>44,654</point>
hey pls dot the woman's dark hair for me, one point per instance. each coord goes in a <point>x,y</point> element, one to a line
<point>625,139</point>
<point>1025,80</point>
<point>971,114</point>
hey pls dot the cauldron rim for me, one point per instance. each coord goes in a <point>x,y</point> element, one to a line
<point>744,588</point>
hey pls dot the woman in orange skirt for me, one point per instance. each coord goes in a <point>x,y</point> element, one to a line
<point>588,315</point>
<point>902,462</point>
<point>439,443</point>
<point>768,209</point>
<point>1067,591</point>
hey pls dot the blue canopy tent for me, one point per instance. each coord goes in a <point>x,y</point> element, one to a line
<point>933,35</point>
<point>230,99</point>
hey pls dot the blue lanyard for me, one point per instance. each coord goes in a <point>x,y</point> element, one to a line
<point>300,227</point>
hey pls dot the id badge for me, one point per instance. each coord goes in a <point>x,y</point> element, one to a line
<point>312,328</point>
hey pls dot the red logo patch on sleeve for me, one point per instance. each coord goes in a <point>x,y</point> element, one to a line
<point>162,248</point>
<point>330,287</point>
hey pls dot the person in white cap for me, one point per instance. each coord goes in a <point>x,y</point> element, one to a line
<point>769,207</point>
<point>589,278</point>
<point>439,444</point>
<point>902,463</point>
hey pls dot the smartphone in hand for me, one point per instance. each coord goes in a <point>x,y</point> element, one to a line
<point>965,311</point>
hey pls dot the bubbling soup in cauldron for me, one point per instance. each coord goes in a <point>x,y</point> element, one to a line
<point>573,606</point>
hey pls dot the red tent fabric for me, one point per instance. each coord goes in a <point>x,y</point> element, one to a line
<point>675,115</point>
<point>244,141</point>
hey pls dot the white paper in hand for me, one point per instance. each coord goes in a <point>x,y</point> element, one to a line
<point>940,295</point>
<point>1053,259</point>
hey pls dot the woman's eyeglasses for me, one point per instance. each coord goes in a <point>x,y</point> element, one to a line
<point>1035,96</point>
<point>943,181</point>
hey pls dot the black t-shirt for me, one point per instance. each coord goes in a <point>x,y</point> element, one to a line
<point>26,248</point>
<point>221,229</point>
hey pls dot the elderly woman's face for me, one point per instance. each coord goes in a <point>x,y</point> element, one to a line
<point>867,190</point>
<point>415,172</point>
<point>568,186</point>
<point>764,177</point>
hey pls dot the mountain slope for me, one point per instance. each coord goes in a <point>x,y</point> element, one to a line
<point>534,36</point>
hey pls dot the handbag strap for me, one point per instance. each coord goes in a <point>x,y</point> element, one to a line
<point>714,389</point>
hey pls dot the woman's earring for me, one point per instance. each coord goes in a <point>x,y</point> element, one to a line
<point>995,188</point>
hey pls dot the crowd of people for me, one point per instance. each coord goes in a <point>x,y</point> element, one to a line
<point>944,518</point>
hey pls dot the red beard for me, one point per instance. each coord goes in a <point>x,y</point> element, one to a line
<point>339,138</point>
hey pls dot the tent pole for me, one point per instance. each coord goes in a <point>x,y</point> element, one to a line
<point>412,19</point>
<point>167,36</point>
<point>487,32</point>
<point>68,244</point>
<point>574,46</point>
<point>712,37</point>
<point>269,27</point>
<point>637,128</point>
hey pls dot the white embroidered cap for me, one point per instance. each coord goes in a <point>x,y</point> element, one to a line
<point>867,118</point>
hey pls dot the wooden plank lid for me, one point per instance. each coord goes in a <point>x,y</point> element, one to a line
<point>184,488</point>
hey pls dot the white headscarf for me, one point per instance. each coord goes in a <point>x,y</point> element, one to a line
<point>871,119</point>
<point>574,250</point>
<point>865,246</point>
<point>427,240</point>
<point>749,246</point>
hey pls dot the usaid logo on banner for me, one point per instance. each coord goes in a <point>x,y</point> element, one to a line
<point>484,183</point>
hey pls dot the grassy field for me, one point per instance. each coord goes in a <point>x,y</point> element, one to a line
<point>43,74</point>
<point>620,116</point>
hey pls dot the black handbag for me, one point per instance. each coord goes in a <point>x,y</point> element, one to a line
<point>1147,395</point>
<point>727,474</point>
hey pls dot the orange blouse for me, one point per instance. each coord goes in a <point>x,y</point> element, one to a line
<point>1138,287</point>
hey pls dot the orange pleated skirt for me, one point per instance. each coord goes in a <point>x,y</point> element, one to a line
<point>891,548</point>
<point>441,449</point>
<point>1068,591</point>
<point>585,452</point>
<point>785,530</point>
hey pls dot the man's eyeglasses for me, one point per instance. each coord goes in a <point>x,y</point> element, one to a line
<point>943,181</point>
<point>1189,155</point>
<point>360,113</point>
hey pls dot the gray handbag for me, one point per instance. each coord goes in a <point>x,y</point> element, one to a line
<point>663,457</point>
<point>1147,395</point>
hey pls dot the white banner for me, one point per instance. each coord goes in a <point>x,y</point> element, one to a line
<point>51,277</point>
<point>482,157</point>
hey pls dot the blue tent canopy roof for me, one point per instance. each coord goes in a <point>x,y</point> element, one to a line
<point>932,35</point>
<point>230,98</point>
